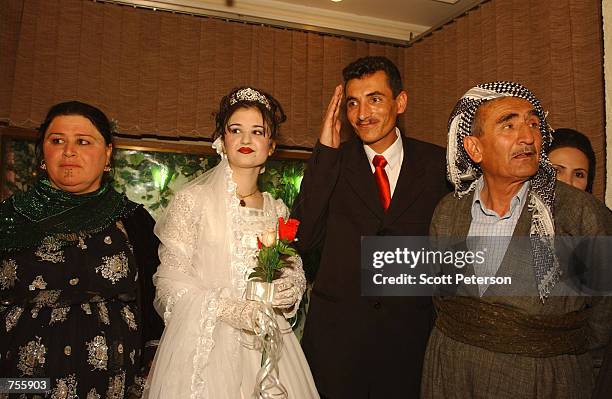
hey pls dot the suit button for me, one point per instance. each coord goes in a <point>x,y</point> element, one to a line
<point>377,305</point>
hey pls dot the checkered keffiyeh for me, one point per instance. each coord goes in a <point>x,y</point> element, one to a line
<point>463,173</point>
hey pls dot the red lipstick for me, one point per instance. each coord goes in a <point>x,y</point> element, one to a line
<point>245,150</point>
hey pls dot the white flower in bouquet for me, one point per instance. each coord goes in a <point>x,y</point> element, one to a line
<point>268,238</point>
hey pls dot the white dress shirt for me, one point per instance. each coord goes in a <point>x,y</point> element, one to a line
<point>394,156</point>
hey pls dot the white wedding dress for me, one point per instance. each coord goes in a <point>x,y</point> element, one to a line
<point>208,249</point>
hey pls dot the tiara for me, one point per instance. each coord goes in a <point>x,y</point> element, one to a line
<point>248,94</point>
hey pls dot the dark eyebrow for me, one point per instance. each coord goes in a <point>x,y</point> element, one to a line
<point>372,94</point>
<point>76,135</point>
<point>506,117</point>
<point>240,124</point>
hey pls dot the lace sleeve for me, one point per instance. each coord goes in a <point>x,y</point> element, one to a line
<point>294,273</point>
<point>239,313</point>
<point>178,233</point>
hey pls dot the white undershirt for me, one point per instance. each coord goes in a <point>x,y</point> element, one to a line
<point>394,156</point>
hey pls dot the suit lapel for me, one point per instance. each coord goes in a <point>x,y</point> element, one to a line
<point>361,178</point>
<point>408,188</point>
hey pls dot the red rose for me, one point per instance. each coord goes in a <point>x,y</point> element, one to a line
<point>259,244</point>
<point>287,230</point>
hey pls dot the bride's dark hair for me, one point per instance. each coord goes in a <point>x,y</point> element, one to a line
<point>249,97</point>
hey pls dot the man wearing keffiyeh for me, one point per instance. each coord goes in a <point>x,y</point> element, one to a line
<point>532,342</point>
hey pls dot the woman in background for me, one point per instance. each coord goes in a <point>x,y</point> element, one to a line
<point>573,157</point>
<point>76,266</point>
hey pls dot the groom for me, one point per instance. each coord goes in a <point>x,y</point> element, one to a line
<point>380,182</point>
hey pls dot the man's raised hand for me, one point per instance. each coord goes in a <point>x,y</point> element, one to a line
<point>330,128</point>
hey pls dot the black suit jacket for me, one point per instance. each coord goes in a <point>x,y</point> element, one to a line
<point>364,347</point>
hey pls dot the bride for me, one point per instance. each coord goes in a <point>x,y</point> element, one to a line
<point>209,241</point>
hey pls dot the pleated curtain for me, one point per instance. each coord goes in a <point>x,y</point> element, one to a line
<point>162,74</point>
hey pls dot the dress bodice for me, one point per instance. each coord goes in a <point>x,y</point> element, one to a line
<point>252,223</point>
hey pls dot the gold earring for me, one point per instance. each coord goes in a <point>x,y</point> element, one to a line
<point>107,168</point>
<point>43,165</point>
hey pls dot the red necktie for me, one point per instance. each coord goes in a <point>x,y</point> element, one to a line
<point>382,180</point>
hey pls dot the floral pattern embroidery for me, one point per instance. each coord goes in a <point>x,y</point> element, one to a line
<point>31,356</point>
<point>103,313</point>
<point>93,394</point>
<point>59,315</point>
<point>81,243</point>
<point>47,298</point>
<point>98,352</point>
<point>116,387</point>
<point>114,267</point>
<point>44,298</point>
<point>86,308</point>
<point>103,351</point>
<point>12,317</point>
<point>39,283</point>
<point>132,354</point>
<point>129,317</point>
<point>138,387</point>
<point>50,250</point>
<point>65,388</point>
<point>8,274</point>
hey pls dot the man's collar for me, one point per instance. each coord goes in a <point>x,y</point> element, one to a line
<point>516,203</point>
<point>391,154</point>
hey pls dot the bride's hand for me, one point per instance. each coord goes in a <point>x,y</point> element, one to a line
<point>286,294</point>
<point>241,313</point>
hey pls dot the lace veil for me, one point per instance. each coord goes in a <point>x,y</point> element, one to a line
<point>197,270</point>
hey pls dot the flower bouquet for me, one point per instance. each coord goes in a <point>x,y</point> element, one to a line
<point>273,254</point>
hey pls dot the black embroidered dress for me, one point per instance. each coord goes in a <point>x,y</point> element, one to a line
<point>72,309</point>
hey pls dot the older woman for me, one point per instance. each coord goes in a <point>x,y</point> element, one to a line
<point>209,241</point>
<point>572,155</point>
<point>76,264</point>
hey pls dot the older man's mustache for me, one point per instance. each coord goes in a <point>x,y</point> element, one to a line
<point>528,150</point>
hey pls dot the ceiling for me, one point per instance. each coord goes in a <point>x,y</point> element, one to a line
<point>427,13</point>
<point>393,20</point>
